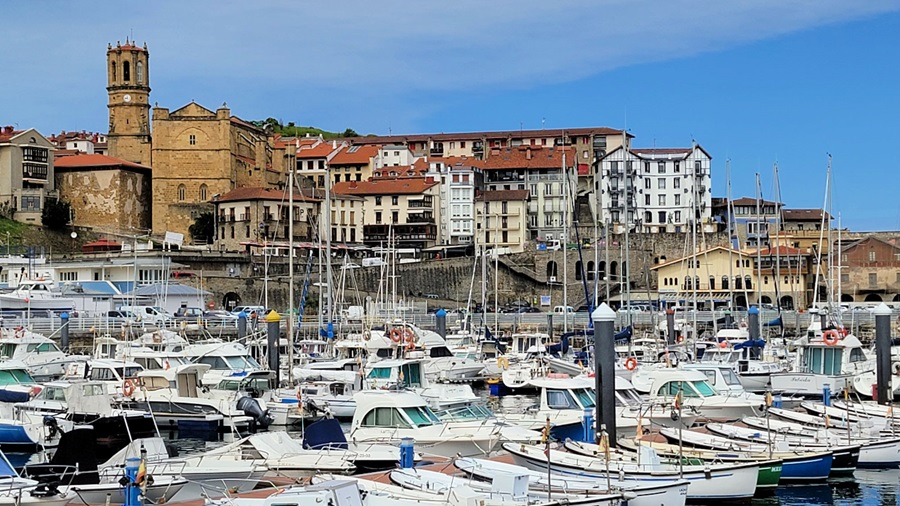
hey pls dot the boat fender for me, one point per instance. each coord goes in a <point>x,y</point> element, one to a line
<point>45,490</point>
<point>707,473</point>
<point>673,415</point>
<point>896,368</point>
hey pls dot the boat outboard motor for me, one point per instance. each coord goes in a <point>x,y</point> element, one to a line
<point>251,408</point>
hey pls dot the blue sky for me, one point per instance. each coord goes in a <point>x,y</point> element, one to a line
<point>756,82</point>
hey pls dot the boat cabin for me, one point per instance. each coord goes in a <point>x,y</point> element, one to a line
<point>388,409</point>
<point>396,373</point>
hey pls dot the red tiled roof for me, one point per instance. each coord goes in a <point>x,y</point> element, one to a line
<point>246,124</point>
<point>258,193</point>
<point>803,214</point>
<point>781,251</point>
<point>397,186</point>
<point>86,161</point>
<point>319,151</point>
<point>748,201</point>
<point>512,134</point>
<point>518,158</point>
<point>127,46</point>
<point>449,161</point>
<point>246,159</point>
<point>59,153</point>
<point>662,151</point>
<point>500,195</point>
<point>7,133</point>
<point>355,155</point>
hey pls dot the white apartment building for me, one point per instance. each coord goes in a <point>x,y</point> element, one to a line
<point>394,155</point>
<point>655,190</point>
<point>459,178</point>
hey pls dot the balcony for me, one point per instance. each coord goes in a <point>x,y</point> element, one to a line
<point>420,204</point>
<point>437,150</point>
<point>403,232</point>
<point>420,218</point>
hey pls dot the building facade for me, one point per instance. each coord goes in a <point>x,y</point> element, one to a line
<point>26,173</point>
<point>459,178</point>
<point>250,217</point>
<point>502,220</point>
<point>105,193</point>
<point>654,190</point>
<point>717,277</point>
<point>353,163</point>
<point>347,214</point>
<point>406,210</point>
<point>870,271</point>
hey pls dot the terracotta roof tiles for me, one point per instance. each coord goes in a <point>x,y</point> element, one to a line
<point>87,161</point>
<point>500,195</point>
<point>398,186</point>
<point>355,155</point>
<point>258,193</point>
<point>527,157</point>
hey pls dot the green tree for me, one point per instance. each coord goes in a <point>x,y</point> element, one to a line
<point>204,228</point>
<point>350,133</point>
<point>56,214</point>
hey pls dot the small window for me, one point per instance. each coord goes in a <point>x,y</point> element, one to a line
<point>192,139</point>
<point>203,193</point>
<point>126,71</point>
<point>140,72</point>
<point>181,192</point>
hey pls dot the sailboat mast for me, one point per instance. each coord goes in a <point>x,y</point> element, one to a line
<point>290,318</point>
<point>778,221</point>
<point>730,233</point>
<point>626,262</point>
<point>329,309</point>
<point>565,238</point>
<point>758,244</point>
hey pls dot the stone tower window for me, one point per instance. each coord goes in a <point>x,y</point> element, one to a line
<point>112,69</point>
<point>203,193</point>
<point>126,71</point>
<point>140,72</point>
<point>181,191</point>
<point>192,139</point>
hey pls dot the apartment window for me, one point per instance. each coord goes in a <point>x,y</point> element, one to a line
<point>647,167</point>
<point>321,182</point>
<point>662,200</point>
<point>648,183</point>
<point>677,217</point>
<point>845,278</point>
<point>378,200</point>
<point>395,216</point>
<point>504,207</point>
<point>648,216</point>
<point>532,220</point>
<point>353,217</point>
<point>35,155</point>
<point>321,164</point>
<point>677,166</point>
<point>548,220</point>
<point>871,256</point>
<point>181,192</point>
<point>647,200</point>
<point>192,139</point>
<point>247,231</point>
<point>533,189</point>
<point>613,167</point>
<point>465,178</point>
<point>548,189</point>
<point>677,200</point>
<point>697,167</point>
<point>662,216</point>
<point>676,183</point>
<point>462,144</point>
<point>337,178</point>
<point>661,184</point>
<point>378,217</point>
<point>661,168</point>
<point>504,236</point>
<point>395,200</point>
<point>455,178</point>
<point>873,279</point>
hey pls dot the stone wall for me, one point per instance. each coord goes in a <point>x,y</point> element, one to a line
<point>107,199</point>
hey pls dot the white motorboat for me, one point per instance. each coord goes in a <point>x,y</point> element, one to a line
<point>697,394</point>
<point>385,416</point>
<point>224,358</point>
<point>44,359</point>
<point>727,481</point>
<point>36,293</point>
<point>672,492</point>
<point>286,457</point>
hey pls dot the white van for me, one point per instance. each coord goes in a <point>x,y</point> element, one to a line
<point>154,315</point>
<point>563,309</point>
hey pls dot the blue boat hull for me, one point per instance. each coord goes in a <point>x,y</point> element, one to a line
<point>14,435</point>
<point>573,431</point>
<point>807,470</point>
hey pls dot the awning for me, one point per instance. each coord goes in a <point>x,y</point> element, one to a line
<point>701,296</point>
<point>636,297</point>
<point>447,247</point>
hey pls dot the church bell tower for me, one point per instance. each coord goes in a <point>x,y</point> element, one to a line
<point>128,78</point>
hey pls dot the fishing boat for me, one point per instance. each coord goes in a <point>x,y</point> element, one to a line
<point>823,357</point>
<point>672,492</point>
<point>706,482</point>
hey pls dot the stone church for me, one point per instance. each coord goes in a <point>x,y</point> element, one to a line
<point>195,153</point>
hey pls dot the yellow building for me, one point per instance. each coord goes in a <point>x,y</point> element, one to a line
<point>718,276</point>
<point>501,219</point>
<point>406,209</point>
<point>347,214</point>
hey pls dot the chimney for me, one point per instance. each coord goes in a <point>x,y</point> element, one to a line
<point>528,153</point>
<point>333,144</point>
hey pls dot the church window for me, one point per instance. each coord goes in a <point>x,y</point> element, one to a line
<point>139,68</point>
<point>203,193</point>
<point>126,71</point>
<point>113,70</point>
<point>192,139</point>
<point>181,191</point>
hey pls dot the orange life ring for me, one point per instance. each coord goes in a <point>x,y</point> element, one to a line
<point>410,337</point>
<point>20,332</point>
<point>396,335</point>
<point>128,388</point>
<point>631,363</point>
<point>831,337</point>
<point>844,331</point>
<point>410,346</point>
<point>680,338</point>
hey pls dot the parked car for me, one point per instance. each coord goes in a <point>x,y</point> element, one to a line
<point>528,310</point>
<point>154,315</point>
<point>259,310</point>
<point>563,309</point>
<point>119,317</point>
<point>219,317</point>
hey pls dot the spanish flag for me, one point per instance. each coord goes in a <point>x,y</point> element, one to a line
<point>141,474</point>
<point>604,445</point>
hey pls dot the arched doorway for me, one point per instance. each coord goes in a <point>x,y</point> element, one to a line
<point>590,270</point>
<point>578,266</point>
<point>601,270</point>
<point>846,297</point>
<point>765,299</point>
<point>231,300</point>
<point>873,297</point>
<point>551,269</point>
<point>613,271</point>
<point>787,302</point>
<point>741,301</point>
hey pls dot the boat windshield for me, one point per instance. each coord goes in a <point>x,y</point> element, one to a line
<point>703,388</point>
<point>628,397</point>
<point>731,379</point>
<point>468,412</point>
<point>823,360</point>
<point>421,416</point>
<point>698,388</point>
<point>716,356</point>
<point>261,384</point>
<point>8,349</point>
<point>42,347</point>
<point>585,397</point>
<point>560,399</point>
<point>380,373</point>
<point>14,377</point>
<point>51,394</point>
